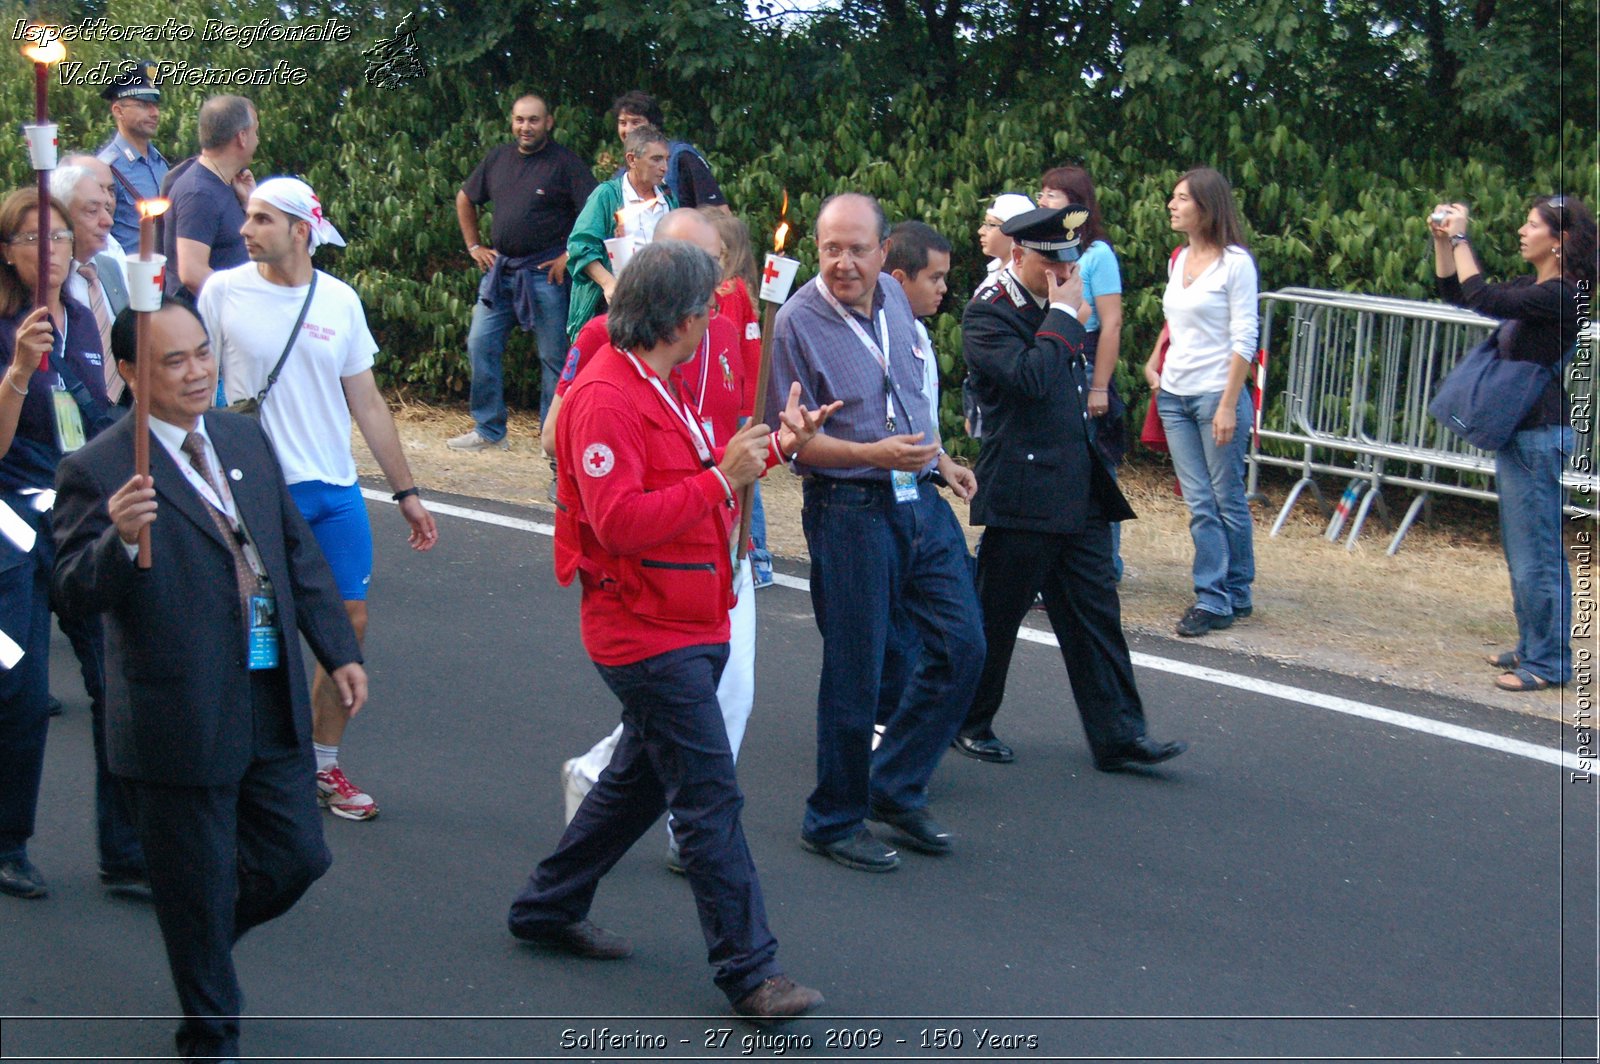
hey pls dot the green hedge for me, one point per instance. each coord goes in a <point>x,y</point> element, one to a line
<point>387,164</point>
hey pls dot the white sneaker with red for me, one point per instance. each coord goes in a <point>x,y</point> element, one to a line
<point>339,796</point>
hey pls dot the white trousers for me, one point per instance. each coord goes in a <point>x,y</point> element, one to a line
<point>736,693</point>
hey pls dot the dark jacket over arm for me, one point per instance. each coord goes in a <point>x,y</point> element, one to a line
<point>1037,470</point>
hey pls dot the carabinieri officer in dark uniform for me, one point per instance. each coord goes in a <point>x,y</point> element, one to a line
<point>1044,496</point>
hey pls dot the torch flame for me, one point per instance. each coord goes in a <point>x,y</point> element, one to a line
<point>49,52</point>
<point>781,235</point>
<point>154,207</point>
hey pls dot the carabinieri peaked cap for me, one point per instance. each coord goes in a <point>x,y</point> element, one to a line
<point>136,80</point>
<point>1051,231</point>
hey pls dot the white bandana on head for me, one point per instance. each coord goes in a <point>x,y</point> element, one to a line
<point>295,198</point>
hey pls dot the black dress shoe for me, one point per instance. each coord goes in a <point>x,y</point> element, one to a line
<point>921,831</point>
<point>777,998</point>
<point>53,706</point>
<point>134,886</point>
<point>581,939</point>
<point>1142,751</point>
<point>861,851</point>
<point>987,749</point>
<point>20,879</point>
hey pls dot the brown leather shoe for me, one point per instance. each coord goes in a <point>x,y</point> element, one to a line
<point>778,998</point>
<point>581,939</point>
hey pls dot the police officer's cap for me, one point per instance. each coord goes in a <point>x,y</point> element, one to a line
<point>134,81</point>
<point>1051,231</point>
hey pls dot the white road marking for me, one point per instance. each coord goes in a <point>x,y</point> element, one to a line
<point>1299,695</point>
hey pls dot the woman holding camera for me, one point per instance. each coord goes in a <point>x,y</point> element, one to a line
<point>1210,306</point>
<point>1543,313</point>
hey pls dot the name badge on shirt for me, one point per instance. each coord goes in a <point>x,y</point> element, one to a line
<point>905,485</point>
<point>264,637</point>
<point>69,420</point>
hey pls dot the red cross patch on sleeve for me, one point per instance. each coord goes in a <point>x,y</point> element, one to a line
<point>598,460</point>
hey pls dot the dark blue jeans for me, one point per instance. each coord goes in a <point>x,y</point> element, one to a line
<point>673,755</point>
<point>486,344</point>
<point>871,556</point>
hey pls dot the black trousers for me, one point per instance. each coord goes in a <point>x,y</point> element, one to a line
<point>674,755</point>
<point>1073,572</point>
<point>225,859</point>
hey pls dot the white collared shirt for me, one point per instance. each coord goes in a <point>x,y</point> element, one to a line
<point>171,437</point>
<point>639,215</point>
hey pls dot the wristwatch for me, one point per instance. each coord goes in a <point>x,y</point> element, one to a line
<point>1457,239</point>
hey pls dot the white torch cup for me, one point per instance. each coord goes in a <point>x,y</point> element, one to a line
<point>619,249</point>
<point>144,282</point>
<point>41,145</point>
<point>777,278</point>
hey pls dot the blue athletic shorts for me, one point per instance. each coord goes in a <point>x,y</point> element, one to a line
<point>337,515</point>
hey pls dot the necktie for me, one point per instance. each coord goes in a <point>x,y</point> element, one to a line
<point>102,319</point>
<point>249,584</point>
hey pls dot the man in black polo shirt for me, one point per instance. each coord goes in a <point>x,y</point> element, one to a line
<point>538,188</point>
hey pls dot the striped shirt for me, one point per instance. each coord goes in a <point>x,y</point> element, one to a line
<point>812,344</point>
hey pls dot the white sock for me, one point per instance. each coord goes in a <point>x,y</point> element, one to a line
<point>327,756</point>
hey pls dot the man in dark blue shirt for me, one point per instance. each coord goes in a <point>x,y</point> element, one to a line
<point>538,187</point>
<point>202,225</point>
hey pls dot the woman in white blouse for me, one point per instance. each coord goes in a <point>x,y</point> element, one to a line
<point>1210,306</point>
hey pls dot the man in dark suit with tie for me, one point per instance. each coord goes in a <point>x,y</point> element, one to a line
<point>208,719</point>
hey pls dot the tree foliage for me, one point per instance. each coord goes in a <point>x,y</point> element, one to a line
<point>1339,124</point>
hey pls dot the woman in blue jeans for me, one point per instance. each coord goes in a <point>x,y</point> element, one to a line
<point>1544,313</point>
<point>1210,306</point>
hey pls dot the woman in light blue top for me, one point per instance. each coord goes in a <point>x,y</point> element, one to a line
<point>1101,315</point>
<point>1210,305</point>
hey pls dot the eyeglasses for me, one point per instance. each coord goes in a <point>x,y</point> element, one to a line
<point>855,251</point>
<point>31,240</point>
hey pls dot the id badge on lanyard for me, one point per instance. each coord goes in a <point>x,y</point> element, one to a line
<point>878,350</point>
<point>70,434</point>
<point>265,640</point>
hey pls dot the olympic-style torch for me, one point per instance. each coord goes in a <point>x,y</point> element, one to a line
<point>777,278</point>
<point>146,276</point>
<point>45,51</point>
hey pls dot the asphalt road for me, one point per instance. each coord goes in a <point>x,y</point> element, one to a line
<point>1300,885</point>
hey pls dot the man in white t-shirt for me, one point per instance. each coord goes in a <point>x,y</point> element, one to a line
<point>323,381</point>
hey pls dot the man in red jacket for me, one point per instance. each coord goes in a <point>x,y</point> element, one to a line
<point>646,514</point>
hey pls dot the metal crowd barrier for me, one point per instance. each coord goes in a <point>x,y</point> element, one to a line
<point>1361,371</point>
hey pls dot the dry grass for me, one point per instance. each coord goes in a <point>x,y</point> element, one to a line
<point>1422,620</point>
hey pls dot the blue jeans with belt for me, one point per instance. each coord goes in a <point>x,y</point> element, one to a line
<point>1527,471</point>
<point>486,343</point>
<point>673,755</point>
<point>872,556</point>
<point>1212,478</point>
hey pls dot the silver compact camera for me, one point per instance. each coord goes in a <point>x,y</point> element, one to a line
<point>1438,217</point>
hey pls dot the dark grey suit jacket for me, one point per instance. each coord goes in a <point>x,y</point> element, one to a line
<point>114,282</point>
<point>177,676</point>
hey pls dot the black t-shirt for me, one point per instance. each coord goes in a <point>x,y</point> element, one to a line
<point>536,197</point>
<point>1547,327</point>
<point>696,186</point>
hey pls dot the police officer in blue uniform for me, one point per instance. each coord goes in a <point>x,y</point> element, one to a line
<point>134,161</point>
<point>1045,496</point>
